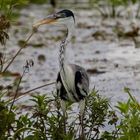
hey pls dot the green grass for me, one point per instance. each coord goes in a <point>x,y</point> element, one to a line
<point>44,119</point>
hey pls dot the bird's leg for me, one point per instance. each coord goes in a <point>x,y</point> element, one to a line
<point>81,118</point>
<point>63,106</point>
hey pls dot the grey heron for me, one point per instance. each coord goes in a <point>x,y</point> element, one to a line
<point>72,81</point>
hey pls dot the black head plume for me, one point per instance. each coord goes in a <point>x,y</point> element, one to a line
<point>66,13</point>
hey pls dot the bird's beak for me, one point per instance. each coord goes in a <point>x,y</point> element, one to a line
<point>49,20</point>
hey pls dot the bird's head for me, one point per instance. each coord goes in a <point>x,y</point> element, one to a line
<point>63,17</point>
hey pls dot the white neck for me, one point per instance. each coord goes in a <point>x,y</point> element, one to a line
<point>69,24</point>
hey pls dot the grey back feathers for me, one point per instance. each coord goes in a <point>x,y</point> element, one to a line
<point>74,83</point>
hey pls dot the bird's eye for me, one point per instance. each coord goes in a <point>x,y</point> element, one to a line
<point>63,15</point>
<point>59,15</point>
<point>55,16</point>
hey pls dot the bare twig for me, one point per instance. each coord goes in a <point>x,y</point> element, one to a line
<point>51,83</point>
<point>16,93</point>
<point>13,100</point>
<point>24,94</point>
<point>19,51</point>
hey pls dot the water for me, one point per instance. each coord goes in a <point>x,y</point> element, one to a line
<point>116,59</point>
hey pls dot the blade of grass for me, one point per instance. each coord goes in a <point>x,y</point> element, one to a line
<point>127,90</point>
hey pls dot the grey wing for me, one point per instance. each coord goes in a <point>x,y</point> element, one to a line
<point>81,81</point>
<point>61,92</point>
